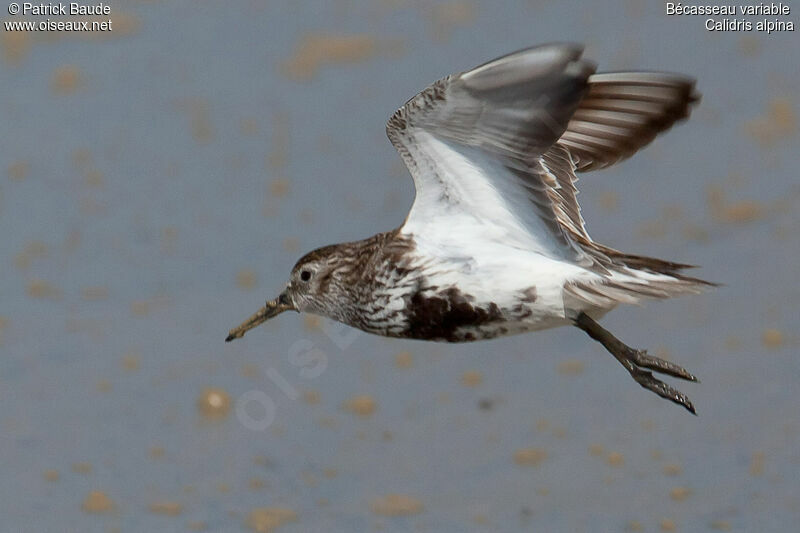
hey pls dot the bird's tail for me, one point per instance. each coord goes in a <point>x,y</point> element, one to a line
<point>633,278</point>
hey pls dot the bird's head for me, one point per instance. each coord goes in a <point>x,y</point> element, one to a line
<point>315,285</point>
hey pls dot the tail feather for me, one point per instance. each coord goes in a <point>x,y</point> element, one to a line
<point>641,262</point>
<point>633,278</point>
<point>631,289</point>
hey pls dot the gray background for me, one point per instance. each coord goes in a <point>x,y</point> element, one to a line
<point>145,170</point>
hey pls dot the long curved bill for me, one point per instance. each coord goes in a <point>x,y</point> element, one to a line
<point>272,309</point>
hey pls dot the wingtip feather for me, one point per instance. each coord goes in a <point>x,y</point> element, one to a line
<point>528,64</point>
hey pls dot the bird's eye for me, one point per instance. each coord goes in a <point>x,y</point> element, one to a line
<point>305,275</point>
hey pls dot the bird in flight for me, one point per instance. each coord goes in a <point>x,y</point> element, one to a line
<point>495,243</point>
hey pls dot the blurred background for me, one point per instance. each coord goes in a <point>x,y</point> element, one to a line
<point>160,180</point>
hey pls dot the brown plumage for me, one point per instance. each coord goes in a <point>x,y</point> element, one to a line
<point>495,243</point>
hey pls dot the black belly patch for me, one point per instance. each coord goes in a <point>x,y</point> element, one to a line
<point>529,295</point>
<point>440,315</point>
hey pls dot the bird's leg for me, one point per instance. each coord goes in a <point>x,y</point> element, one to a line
<point>635,361</point>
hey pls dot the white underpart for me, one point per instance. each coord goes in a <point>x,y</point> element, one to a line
<point>470,192</point>
<point>488,242</point>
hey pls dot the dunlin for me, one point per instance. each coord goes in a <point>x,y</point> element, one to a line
<point>495,243</point>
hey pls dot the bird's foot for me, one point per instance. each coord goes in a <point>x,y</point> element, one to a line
<point>651,383</point>
<point>636,361</point>
<point>642,359</point>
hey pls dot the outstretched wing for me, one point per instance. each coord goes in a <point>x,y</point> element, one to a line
<point>474,142</point>
<point>493,151</point>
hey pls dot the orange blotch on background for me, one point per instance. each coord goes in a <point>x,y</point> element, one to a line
<point>130,362</point>
<point>214,403</point>
<point>43,290</point>
<point>279,187</point>
<point>635,525</point>
<point>757,464</point>
<point>667,525</point>
<point>200,122</point>
<point>16,45</point>
<point>82,468</point>
<point>246,279</point>
<point>157,452</point>
<point>66,79</point>
<point>97,502</point>
<point>291,244</point>
<point>779,122</point>
<point>316,51</point>
<point>403,360</point>
<point>94,178</point>
<point>679,493</point>
<point>733,212</point>
<point>608,201</point>
<point>749,45</point>
<point>571,367</point>
<point>396,505</point>
<point>18,170</point>
<point>33,251</point>
<point>267,519</point>
<point>362,405</point>
<point>168,508</point>
<point>530,456</point>
<point>471,378</point>
<point>311,397</point>
<point>772,338</point>
<point>256,483</point>
<point>312,322</point>
<point>449,16</point>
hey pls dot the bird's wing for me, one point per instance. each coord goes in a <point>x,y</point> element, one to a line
<point>494,151</point>
<point>479,146</point>
<point>622,112</point>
